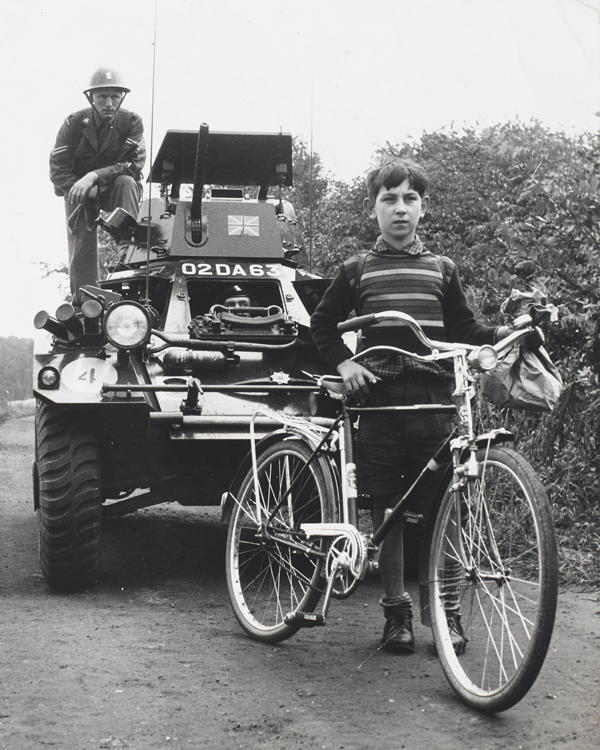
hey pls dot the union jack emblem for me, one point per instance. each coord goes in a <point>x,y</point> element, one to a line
<point>243,225</point>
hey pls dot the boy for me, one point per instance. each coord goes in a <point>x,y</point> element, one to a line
<point>392,447</point>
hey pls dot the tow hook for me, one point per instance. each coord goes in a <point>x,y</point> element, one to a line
<point>190,404</point>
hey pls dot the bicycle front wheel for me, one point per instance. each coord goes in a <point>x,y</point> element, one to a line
<point>271,569</point>
<point>494,580</point>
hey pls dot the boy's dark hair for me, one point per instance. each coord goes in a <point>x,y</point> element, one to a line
<point>393,173</point>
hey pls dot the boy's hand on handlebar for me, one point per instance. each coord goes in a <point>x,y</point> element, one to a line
<point>357,378</point>
<point>503,331</point>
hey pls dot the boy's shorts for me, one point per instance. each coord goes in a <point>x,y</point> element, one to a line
<point>393,447</point>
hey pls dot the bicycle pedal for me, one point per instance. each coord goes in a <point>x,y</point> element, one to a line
<point>410,517</point>
<point>304,619</point>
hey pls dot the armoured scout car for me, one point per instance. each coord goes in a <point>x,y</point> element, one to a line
<point>145,395</point>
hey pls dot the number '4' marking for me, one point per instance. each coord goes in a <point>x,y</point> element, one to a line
<point>91,373</point>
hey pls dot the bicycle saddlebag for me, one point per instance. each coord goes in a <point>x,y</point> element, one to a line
<point>523,379</point>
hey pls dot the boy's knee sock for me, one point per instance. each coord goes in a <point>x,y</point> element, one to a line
<point>396,605</point>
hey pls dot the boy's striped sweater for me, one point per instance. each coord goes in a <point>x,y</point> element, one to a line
<point>401,281</point>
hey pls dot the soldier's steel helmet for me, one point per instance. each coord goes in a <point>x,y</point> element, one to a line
<point>106,78</point>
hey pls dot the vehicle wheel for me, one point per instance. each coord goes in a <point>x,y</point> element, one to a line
<point>70,500</point>
<point>494,565</point>
<point>268,578</point>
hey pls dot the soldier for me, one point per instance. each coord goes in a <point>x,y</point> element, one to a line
<point>236,296</point>
<point>96,164</point>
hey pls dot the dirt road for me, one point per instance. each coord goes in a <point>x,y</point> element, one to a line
<point>153,658</point>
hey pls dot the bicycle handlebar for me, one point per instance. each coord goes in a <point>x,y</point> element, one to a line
<point>363,321</point>
<point>354,324</point>
<point>334,383</point>
<point>522,325</point>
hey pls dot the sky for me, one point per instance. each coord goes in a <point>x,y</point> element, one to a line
<point>344,75</point>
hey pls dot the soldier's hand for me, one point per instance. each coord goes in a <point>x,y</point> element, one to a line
<point>84,188</point>
<point>356,377</point>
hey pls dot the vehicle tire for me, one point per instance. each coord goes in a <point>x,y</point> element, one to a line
<point>266,578</point>
<point>70,499</point>
<point>494,564</point>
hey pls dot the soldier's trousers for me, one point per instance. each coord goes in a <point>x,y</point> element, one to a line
<point>82,233</point>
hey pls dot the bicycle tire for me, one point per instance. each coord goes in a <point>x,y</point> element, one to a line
<point>500,575</point>
<point>266,579</point>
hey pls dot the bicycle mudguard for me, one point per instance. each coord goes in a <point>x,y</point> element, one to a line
<point>493,437</point>
<point>228,498</point>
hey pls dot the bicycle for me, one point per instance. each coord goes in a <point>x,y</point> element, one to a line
<point>489,553</point>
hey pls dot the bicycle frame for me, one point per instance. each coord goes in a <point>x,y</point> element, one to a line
<point>335,436</point>
<point>488,569</point>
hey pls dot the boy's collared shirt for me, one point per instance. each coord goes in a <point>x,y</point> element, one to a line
<point>382,247</point>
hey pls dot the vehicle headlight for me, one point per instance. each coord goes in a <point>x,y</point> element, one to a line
<point>485,358</point>
<point>127,325</point>
<point>48,377</point>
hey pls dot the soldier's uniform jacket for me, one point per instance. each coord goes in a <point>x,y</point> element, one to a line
<point>78,152</point>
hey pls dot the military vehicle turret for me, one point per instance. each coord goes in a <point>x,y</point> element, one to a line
<point>145,394</point>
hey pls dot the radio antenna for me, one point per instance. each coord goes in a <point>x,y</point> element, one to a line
<point>310,192</point>
<point>310,165</point>
<point>149,233</point>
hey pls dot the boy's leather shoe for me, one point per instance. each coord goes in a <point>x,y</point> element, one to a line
<point>398,631</point>
<point>398,635</point>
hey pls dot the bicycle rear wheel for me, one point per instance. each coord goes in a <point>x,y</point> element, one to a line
<point>494,570</point>
<point>272,572</point>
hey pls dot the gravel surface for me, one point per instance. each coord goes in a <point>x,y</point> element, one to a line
<point>152,657</point>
